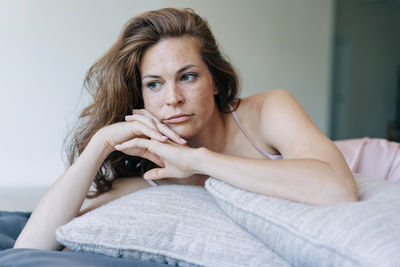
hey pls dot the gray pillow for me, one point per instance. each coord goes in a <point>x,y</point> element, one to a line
<point>364,233</point>
<point>174,224</point>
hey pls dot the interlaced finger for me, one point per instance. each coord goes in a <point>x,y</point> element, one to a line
<point>161,127</point>
<point>139,129</point>
<point>143,119</point>
<point>165,130</point>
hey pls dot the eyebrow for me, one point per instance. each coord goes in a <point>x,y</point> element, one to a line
<point>179,71</point>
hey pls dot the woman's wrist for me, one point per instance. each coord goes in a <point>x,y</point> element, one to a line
<point>98,145</point>
<point>199,160</point>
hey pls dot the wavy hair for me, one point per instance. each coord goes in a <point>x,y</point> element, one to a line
<point>115,85</point>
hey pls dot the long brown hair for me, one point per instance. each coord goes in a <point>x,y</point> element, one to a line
<point>114,83</point>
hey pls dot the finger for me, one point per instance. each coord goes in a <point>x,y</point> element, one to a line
<point>129,147</point>
<point>140,117</point>
<point>158,126</point>
<point>139,128</point>
<point>143,112</point>
<point>156,174</point>
<point>154,158</point>
<point>151,145</point>
<point>135,143</point>
<point>143,119</point>
<point>164,129</point>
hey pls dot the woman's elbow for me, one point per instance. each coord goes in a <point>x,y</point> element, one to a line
<point>339,198</point>
<point>345,192</point>
<point>349,196</point>
<point>352,194</point>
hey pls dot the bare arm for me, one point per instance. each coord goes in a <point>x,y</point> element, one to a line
<point>313,170</point>
<point>120,187</point>
<point>304,180</point>
<point>307,180</point>
<point>63,200</point>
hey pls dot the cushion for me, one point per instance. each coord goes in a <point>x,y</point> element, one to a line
<point>175,224</point>
<point>364,233</point>
<point>375,157</point>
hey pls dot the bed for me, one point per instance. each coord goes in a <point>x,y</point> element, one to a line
<point>221,225</point>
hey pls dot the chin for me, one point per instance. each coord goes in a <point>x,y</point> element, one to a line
<point>185,131</point>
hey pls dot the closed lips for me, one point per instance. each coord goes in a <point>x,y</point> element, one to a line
<point>178,118</point>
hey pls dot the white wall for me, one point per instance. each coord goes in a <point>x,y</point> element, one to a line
<point>47,46</point>
<point>45,49</point>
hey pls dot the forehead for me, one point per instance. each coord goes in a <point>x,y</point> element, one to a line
<point>169,55</point>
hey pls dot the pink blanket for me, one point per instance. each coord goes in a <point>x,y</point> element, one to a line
<point>372,156</point>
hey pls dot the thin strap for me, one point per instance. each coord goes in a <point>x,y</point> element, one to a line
<point>249,138</point>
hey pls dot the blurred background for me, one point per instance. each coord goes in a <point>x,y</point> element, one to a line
<point>339,58</point>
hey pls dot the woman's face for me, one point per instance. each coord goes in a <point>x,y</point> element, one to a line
<point>177,86</point>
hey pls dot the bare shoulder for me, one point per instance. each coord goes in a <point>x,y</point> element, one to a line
<point>250,106</point>
<point>279,109</point>
<point>273,99</point>
<point>287,126</point>
<point>269,99</point>
<point>251,113</point>
<point>120,187</point>
<point>265,108</point>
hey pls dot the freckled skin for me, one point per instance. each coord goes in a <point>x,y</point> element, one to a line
<point>174,93</point>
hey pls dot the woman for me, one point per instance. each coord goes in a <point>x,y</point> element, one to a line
<point>163,93</point>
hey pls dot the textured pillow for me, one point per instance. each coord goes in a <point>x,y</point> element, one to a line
<point>364,233</point>
<point>174,224</point>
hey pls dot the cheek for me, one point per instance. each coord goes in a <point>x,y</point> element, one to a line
<point>205,97</point>
<point>205,104</point>
<point>151,103</point>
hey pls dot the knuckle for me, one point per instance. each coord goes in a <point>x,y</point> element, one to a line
<point>135,127</point>
<point>151,145</point>
<point>148,120</point>
<point>133,142</point>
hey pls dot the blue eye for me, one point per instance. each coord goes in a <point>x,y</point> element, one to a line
<point>153,85</point>
<point>188,77</point>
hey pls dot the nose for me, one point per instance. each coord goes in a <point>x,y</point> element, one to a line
<point>174,95</point>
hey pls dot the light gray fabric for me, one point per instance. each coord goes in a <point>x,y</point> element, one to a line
<point>365,233</point>
<point>175,224</point>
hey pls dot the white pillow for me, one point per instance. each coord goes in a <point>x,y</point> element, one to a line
<point>364,233</point>
<point>174,224</point>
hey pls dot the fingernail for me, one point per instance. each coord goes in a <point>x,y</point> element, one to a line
<point>183,140</point>
<point>164,137</point>
<point>118,147</point>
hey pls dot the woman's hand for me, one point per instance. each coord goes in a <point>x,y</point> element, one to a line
<point>145,117</point>
<point>176,159</point>
<point>120,132</point>
<point>139,125</point>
